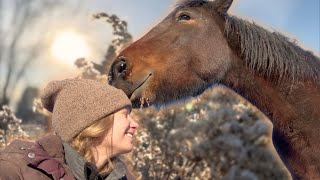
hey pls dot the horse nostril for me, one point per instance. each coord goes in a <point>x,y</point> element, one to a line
<point>120,67</point>
<point>123,67</point>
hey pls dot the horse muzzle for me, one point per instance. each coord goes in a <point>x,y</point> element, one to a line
<point>132,83</point>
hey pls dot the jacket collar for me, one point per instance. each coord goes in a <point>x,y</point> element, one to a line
<point>82,169</point>
<point>74,161</point>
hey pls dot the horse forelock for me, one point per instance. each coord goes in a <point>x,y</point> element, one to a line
<point>271,53</point>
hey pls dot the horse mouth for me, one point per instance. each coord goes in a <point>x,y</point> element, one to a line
<point>136,94</point>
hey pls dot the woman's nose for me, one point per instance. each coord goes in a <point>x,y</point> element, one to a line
<point>133,123</point>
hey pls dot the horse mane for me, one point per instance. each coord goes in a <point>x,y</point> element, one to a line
<point>271,53</point>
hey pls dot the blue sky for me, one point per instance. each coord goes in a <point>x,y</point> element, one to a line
<point>298,19</point>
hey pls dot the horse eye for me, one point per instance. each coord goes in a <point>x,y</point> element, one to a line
<point>184,17</point>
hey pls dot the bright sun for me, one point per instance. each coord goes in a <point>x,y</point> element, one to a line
<point>69,46</point>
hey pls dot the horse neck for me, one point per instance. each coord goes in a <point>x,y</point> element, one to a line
<point>290,105</point>
<point>282,100</point>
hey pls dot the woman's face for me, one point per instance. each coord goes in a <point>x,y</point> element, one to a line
<point>119,138</point>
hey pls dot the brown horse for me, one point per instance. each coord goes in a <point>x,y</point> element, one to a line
<point>198,45</point>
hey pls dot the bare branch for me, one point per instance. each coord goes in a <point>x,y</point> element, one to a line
<point>20,18</point>
<point>1,37</point>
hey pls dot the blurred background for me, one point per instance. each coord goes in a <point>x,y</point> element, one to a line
<point>40,41</point>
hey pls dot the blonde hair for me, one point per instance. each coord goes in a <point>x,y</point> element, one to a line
<point>91,137</point>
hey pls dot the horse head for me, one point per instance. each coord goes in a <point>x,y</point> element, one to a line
<point>180,57</point>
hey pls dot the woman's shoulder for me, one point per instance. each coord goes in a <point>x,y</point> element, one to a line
<point>16,146</point>
<point>22,152</point>
<point>11,159</point>
<point>25,158</point>
<point>15,150</point>
<point>20,146</point>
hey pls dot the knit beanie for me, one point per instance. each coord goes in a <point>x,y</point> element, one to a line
<point>78,103</point>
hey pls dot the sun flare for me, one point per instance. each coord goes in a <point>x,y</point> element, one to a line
<point>69,46</point>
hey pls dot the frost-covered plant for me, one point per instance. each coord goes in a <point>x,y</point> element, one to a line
<point>216,136</point>
<point>10,126</point>
<point>121,38</point>
<point>87,71</point>
<point>38,108</point>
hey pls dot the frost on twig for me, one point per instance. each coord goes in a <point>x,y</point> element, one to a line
<point>121,38</point>
<point>38,108</point>
<point>10,126</point>
<point>87,71</point>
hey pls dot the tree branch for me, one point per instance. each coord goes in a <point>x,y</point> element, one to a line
<point>25,14</point>
<point>20,18</point>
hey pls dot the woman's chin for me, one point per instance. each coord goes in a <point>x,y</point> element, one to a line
<point>127,149</point>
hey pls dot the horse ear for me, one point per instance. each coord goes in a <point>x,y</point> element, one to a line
<point>222,6</point>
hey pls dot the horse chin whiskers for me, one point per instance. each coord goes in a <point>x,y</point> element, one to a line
<point>144,102</point>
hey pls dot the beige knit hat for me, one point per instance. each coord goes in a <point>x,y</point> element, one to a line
<point>78,103</point>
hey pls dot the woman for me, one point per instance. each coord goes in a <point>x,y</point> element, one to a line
<point>92,126</point>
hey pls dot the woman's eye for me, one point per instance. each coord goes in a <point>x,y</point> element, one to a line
<point>184,17</point>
